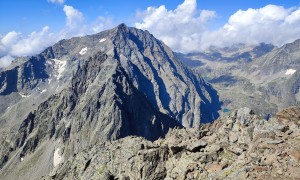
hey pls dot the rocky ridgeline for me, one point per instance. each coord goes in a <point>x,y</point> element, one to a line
<point>238,146</point>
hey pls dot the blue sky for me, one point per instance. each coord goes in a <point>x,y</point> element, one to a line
<point>27,16</point>
<point>28,27</point>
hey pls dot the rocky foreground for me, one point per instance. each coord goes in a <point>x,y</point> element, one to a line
<point>238,146</point>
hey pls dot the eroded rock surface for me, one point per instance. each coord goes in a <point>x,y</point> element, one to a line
<point>226,149</point>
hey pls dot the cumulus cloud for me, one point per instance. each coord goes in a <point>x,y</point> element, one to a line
<point>15,44</point>
<point>269,24</point>
<point>185,30</point>
<point>57,1</point>
<point>77,26</point>
<point>10,38</point>
<point>31,44</point>
<point>5,61</point>
<point>102,23</point>
<point>181,28</point>
<point>74,16</point>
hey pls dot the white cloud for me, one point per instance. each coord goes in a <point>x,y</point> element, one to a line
<point>178,27</point>
<point>77,26</point>
<point>185,29</point>
<point>57,1</point>
<point>6,61</point>
<point>102,23</point>
<point>3,50</point>
<point>269,24</point>
<point>15,44</point>
<point>33,43</point>
<point>294,17</point>
<point>74,16</point>
<point>10,38</point>
<point>206,15</point>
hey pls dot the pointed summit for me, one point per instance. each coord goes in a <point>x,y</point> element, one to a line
<point>122,25</point>
<point>122,28</point>
<point>151,66</point>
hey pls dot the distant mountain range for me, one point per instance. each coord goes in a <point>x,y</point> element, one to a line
<point>264,77</point>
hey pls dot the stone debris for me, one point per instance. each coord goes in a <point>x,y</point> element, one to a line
<point>228,149</point>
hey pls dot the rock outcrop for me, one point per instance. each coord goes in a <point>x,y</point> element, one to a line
<point>238,146</point>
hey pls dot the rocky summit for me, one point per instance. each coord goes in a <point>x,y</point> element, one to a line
<point>238,146</point>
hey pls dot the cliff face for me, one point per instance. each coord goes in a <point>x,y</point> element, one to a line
<point>167,84</point>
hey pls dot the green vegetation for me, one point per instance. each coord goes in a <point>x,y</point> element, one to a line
<point>227,155</point>
<point>102,168</point>
<point>227,173</point>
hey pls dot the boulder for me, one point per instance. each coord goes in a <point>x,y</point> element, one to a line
<point>243,115</point>
<point>196,146</point>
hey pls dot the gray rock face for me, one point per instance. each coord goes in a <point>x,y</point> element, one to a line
<point>151,66</point>
<point>277,75</point>
<point>25,77</point>
<point>279,59</point>
<point>94,109</point>
<point>168,85</point>
<point>243,115</point>
<point>90,90</point>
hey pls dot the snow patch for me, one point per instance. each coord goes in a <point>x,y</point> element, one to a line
<point>49,81</point>
<point>43,91</point>
<point>23,95</point>
<point>49,62</point>
<point>83,51</point>
<point>57,88</point>
<point>60,67</point>
<point>102,40</point>
<point>57,158</point>
<point>22,159</point>
<point>290,71</point>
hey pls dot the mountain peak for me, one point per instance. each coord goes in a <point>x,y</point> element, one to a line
<point>148,62</point>
<point>122,28</point>
<point>122,25</point>
<point>101,87</point>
